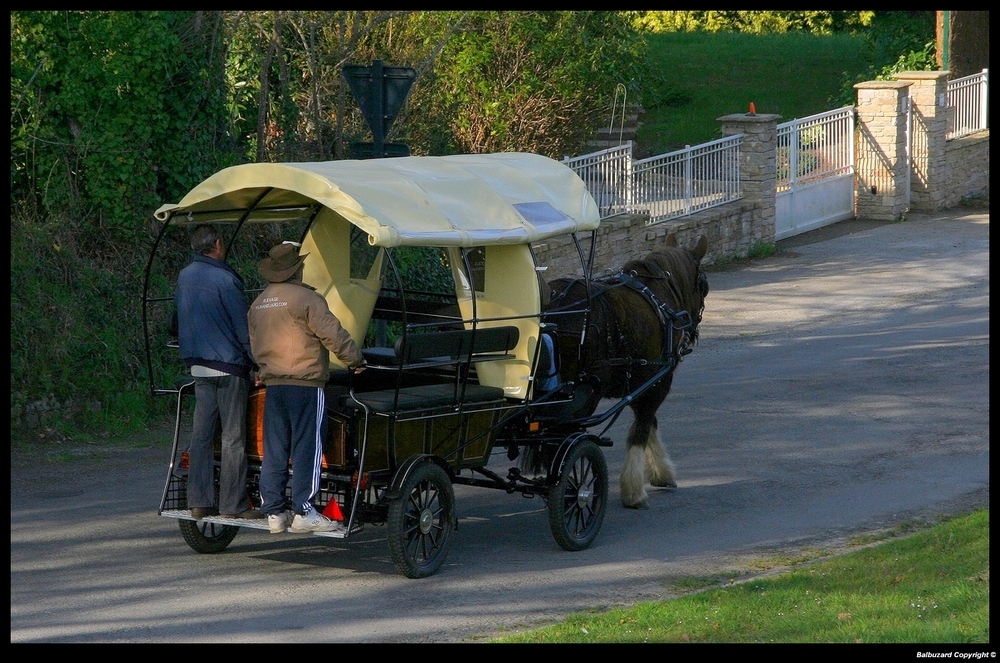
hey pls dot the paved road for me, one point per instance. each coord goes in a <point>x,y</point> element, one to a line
<point>841,386</point>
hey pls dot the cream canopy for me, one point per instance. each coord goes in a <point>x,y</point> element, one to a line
<point>461,200</point>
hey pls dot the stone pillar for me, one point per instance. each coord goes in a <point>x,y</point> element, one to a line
<point>881,178</point>
<point>758,164</point>
<point>929,124</point>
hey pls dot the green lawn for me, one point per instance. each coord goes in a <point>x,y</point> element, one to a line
<point>701,77</point>
<point>928,587</point>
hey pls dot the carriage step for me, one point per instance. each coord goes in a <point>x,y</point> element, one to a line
<point>185,514</point>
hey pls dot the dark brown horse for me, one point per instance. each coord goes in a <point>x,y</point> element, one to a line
<point>641,322</point>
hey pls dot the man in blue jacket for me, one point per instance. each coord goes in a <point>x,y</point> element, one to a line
<point>215,343</point>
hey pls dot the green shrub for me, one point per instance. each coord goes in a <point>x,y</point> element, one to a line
<point>73,331</point>
<point>895,41</point>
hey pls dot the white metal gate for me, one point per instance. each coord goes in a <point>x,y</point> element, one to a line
<point>815,172</point>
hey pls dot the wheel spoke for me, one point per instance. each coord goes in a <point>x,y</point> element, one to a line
<point>210,530</point>
<point>424,501</point>
<point>576,509</point>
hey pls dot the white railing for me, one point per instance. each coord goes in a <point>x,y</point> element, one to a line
<point>608,176</point>
<point>809,150</point>
<point>815,148</point>
<point>665,186</point>
<point>968,97</point>
<point>688,180</point>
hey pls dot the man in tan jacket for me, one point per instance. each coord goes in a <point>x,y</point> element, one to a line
<point>292,332</point>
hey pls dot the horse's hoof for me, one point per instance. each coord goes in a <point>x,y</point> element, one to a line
<point>639,505</point>
<point>669,487</point>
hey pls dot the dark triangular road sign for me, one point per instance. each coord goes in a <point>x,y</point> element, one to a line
<point>380,92</point>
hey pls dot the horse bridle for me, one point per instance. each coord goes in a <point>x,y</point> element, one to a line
<point>701,282</point>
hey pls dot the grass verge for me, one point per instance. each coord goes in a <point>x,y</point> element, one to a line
<point>930,587</point>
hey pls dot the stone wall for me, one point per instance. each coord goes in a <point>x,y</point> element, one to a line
<point>943,171</point>
<point>967,169</point>
<point>880,173</point>
<point>732,230</point>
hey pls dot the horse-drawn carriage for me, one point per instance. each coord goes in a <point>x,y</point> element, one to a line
<point>428,263</point>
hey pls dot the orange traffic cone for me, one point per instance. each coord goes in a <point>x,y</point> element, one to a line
<point>332,510</point>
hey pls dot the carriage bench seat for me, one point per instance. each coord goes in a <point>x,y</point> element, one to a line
<point>416,350</point>
<point>439,349</point>
<point>426,397</point>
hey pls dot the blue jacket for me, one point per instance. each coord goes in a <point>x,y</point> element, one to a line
<point>212,317</point>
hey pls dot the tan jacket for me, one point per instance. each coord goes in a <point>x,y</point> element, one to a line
<point>293,331</point>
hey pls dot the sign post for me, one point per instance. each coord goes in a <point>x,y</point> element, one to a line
<point>380,92</point>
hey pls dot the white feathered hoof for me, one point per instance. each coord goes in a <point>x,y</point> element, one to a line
<point>633,480</point>
<point>659,468</point>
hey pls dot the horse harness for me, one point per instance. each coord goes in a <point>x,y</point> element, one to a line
<point>670,320</point>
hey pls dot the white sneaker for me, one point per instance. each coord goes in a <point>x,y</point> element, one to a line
<point>278,523</point>
<point>314,521</point>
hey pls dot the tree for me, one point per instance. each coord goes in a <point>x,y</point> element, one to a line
<point>527,81</point>
<point>115,112</point>
<point>486,81</point>
<point>111,114</point>
<point>753,22</point>
<point>112,110</point>
<point>963,42</point>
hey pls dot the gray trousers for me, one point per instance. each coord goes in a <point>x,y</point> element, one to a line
<point>219,400</point>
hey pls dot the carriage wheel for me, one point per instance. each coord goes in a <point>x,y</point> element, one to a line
<point>421,521</point>
<point>578,501</point>
<point>207,537</point>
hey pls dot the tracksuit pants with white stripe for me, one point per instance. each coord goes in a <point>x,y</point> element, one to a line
<point>294,427</point>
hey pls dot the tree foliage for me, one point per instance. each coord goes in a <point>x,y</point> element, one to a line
<point>753,22</point>
<point>486,81</point>
<point>533,81</point>
<point>114,113</point>
<point>895,41</point>
<point>111,110</point>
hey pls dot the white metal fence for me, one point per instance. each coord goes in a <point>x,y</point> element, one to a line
<point>608,176</point>
<point>665,186</point>
<point>688,180</point>
<point>815,148</point>
<point>968,96</point>
<point>814,172</point>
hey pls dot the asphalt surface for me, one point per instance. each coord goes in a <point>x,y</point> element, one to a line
<point>840,387</point>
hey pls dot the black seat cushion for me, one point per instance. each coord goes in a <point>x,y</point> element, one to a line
<point>425,397</point>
